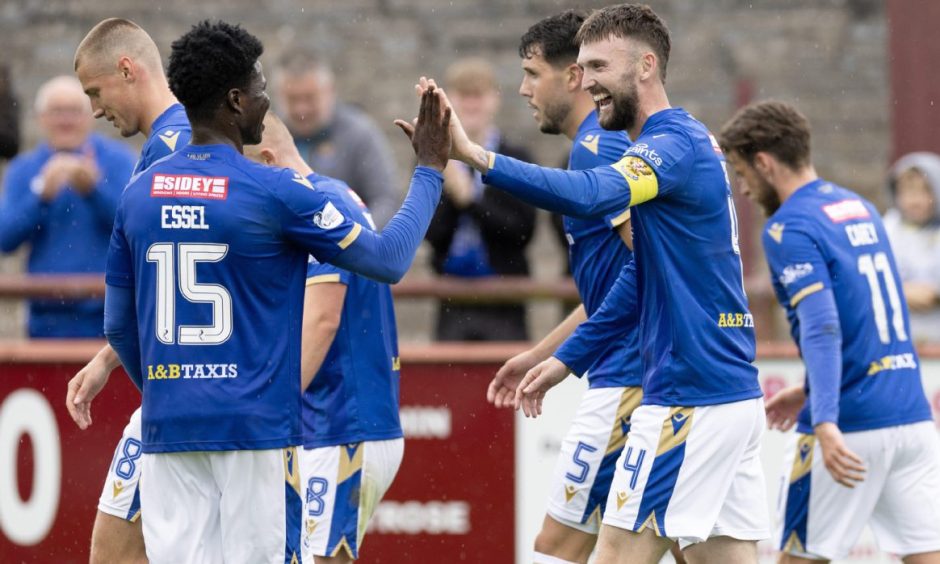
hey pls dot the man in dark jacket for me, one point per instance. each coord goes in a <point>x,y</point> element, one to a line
<point>478,231</point>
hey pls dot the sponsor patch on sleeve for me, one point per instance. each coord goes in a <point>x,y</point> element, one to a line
<point>328,218</point>
<point>188,186</point>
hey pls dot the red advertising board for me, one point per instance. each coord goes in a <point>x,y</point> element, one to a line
<point>453,499</point>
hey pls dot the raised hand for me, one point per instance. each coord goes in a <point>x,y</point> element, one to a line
<point>782,409</point>
<point>462,148</point>
<point>502,388</point>
<point>430,133</point>
<point>531,391</point>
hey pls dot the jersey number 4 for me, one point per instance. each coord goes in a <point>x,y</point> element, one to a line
<point>189,255</point>
<point>870,265</point>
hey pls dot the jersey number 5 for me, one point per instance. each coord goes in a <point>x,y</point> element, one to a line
<point>189,254</point>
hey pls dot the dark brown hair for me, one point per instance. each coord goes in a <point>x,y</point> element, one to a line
<point>636,21</point>
<point>772,127</point>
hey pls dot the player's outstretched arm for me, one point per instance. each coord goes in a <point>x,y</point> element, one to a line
<point>120,328</point>
<point>583,193</point>
<point>386,256</point>
<point>616,317</point>
<point>84,386</point>
<point>502,388</point>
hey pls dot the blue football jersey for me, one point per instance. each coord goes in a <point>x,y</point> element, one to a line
<point>597,253</point>
<point>825,237</point>
<point>354,396</point>
<point>696,334</point>
<point>169,132</point>
<point>216,248</point>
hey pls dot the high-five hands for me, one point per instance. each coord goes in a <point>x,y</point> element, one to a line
<point>462,148</point>
<point>430,133</point>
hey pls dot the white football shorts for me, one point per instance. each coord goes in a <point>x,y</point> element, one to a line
<point>691,473</point>
<point>239,506</point>
<point>588,456</point>
<point>344,485</point>
<point>819,518</point>
<point>121,495</point>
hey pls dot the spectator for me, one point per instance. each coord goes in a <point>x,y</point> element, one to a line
<point>9,117</point>
<point>479,231</point>
<point>335,138</point>
<point>61,198</point>
<point>913,227</point>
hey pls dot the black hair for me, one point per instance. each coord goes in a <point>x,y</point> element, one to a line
<point>555,38</point>
<point>208,61</point>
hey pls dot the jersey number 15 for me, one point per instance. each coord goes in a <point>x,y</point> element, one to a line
<point>189,255</point>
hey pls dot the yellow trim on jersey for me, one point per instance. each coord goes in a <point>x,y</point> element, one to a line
<point>640,177</point>
<point>351,236</point>
<point>803,464</point>
<point>621,219</point>
<point>322,279</point>
<point>811,289</point>
<point>629,400</point>
<point>292,468</point>
<point>170,140</point>
<point>490,159</point>
<point>670,438</point>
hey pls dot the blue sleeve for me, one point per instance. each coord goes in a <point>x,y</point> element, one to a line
<point>649,169</point>
<point>796,264</point>
<point>120,328</point>
<point>601,148</point>
<point>21,210</point>
<point>821,348</point>
<point>318,272</point>
<point>616,317</point>
<point>313,222</point>
<point>120,265</point>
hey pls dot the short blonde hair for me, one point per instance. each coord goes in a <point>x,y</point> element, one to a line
<point>114,38</point>
<point>471,76</point>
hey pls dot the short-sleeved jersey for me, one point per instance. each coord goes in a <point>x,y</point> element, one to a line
<point>825,237</point>
<point>696,334</point>
<point>354,395</point>
<point>597,253</point>
<point>169,132</point>
<point>216,249</point>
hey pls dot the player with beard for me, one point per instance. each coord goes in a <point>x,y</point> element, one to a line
<point>690,471</point>
<point>867,420</point>
<point>598,250</point>
<point>204,300</point>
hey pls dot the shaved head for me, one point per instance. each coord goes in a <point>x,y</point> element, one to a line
<point>114,38</point>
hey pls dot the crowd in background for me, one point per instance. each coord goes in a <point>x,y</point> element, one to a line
<point>58,198</point>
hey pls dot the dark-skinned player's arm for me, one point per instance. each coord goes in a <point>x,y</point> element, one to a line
<point>313,223</point>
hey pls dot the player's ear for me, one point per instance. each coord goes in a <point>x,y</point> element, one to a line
<point>648,64</point>
<point>126,69</point>
<point>573,76</point>
<point>268,157</point>
<point>234,100</point>
<point>762,163</point>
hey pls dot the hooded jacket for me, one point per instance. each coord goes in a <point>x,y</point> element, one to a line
<point>917,247</point>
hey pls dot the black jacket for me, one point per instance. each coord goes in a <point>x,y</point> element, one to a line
<point>506,224</point>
